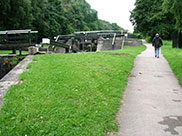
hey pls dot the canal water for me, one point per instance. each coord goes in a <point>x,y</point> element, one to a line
<point>7,63</point>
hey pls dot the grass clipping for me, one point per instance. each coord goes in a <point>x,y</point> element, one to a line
<point>68,94</point>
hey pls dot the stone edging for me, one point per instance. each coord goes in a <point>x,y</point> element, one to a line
<point>12,77</point>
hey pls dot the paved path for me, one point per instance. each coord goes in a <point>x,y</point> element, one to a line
<point>12,77</point>
<point>152,104</point>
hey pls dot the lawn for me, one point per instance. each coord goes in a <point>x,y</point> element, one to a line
<point>68,94</point>
<point>174,57</point>
<point>10,52</point>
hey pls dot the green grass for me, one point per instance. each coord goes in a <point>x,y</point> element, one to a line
<point>10,51</point>
<point>68,95</point>
<point>174,57</point>
<point>13,61</point>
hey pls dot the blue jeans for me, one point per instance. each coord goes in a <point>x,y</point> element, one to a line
<point>157,52</point>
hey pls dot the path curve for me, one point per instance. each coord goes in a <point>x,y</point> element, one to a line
<point>152,103</point>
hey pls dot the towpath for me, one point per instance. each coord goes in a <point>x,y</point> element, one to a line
<point>152,103</point>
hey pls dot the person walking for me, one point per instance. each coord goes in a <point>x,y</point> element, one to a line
<point>157,43</point>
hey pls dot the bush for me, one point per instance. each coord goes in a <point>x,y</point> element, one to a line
<point>148,39</point>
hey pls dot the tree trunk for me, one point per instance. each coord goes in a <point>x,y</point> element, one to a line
<point>175,39</point>
<point>180,40</point>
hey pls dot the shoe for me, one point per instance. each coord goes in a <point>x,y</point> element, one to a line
<point>158,57</point>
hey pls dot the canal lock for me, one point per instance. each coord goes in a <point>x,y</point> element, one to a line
<point>8,63</point>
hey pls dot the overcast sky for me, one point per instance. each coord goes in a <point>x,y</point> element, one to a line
<point>114,11</point>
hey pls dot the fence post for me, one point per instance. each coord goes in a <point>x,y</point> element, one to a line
<point>29,38</point>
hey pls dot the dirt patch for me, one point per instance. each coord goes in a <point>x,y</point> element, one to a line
<point>111,134</point>
<point>132,75</point>
<point>20,82</point>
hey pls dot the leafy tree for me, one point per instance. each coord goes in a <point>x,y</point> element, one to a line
<point>15,14</point>
<point>175,7</point>
<point>150,21</point>
<point>51,17</point>
<point>40,23</point>
<point>5,9</point>
<point>116,27</point>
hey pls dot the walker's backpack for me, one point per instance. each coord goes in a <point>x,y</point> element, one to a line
<point>157,42</point>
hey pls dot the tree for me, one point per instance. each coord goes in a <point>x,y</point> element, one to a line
<point>5,9</point>
<point>175,8</point>
<point>40,23</point>
<point>51,17</point>
<point>15,14</point>
<point>150,21</point>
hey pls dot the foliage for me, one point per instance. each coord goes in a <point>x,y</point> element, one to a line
<point>94,48</point>
<point>148,39</point>
<point>150,21</point>
<point>15,60</point>
<point>14,17</point>
<point>138,35</point>
<point>175,7</point>
<point>51,17</point>
<point>69,94</point>
<point>174,57</point>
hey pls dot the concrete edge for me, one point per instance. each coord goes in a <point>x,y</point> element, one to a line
<point>12,77</point>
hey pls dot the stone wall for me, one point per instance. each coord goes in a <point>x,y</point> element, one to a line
<point>106,44</point>
<point>118,44</point>
<point>59,50</point>
<point>133,42</point>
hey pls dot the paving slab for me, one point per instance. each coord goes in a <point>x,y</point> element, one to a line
<point>152,102</point>
<point>12,77</point>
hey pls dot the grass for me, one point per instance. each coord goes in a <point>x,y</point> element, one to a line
<point>10,52</point>
<point>174,57</point>
<point>68,95</point>
<point>15,60</point>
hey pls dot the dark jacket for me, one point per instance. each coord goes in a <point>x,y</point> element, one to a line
<point>157,42</point>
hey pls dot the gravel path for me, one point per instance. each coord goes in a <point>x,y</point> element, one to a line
<point>152,103</point>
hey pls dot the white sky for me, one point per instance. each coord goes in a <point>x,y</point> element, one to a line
<point>114,11</point>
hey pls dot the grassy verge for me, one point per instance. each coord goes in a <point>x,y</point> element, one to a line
<point>174,57</point>
<point>10,52</point>
<point>68,95</point>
